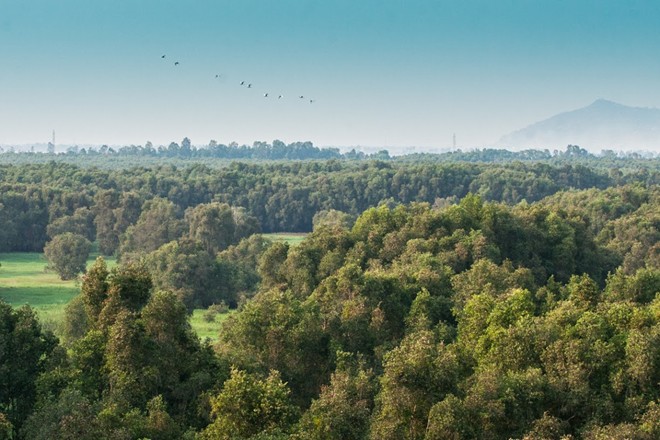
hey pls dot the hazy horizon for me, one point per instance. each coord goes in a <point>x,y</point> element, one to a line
<point>381,73</point>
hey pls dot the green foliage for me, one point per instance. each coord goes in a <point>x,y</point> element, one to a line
<point>131,378</point>
<point>76,322</point>
<point>94,290</point>
<point>24,351</point>
<point>131,285</point>
<point>419,372</point>
<point>280,196</point>
<point>471,339</point>
<point>159,223</point>
<point>239,263</point>
<point>343,408</point>
<point>271,264</point>
<point>186,268</point>
<point>6,428</point>
<point>105,202</point>
<point>67,254</point>
<point>438,313</point>
<point>87,361</point>
<point>276,331</point>
<point>212,225</point>
<point>80,223</point>
<point>69,417</point>
<point>248,405</point>
<point>332,219</point>
<point>217,225</point>
<point>142,368</point>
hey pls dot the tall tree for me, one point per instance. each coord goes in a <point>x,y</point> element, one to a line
<point>24,352</point>
<point>105,202</point>
<point>159,223</point>
<point>67,254</point>
<point>248,406</point>
<point>213,225</point>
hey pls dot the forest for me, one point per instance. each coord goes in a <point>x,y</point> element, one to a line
<point>493,295</point>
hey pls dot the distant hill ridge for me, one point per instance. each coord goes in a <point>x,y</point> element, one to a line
<point>602,125</point>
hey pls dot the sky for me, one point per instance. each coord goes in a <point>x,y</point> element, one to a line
<point>402,74</point>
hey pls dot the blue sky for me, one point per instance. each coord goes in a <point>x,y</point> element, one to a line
<point>382,73</point>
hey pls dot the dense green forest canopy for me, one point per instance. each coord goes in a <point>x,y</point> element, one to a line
<point>429,301</point>
<point>282,196</point>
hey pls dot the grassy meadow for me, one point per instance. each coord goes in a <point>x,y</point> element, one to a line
<point>293,238</point>
<point>205,329</point>
<point>25,280</point>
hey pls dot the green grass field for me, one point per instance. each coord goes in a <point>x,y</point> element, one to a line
<point>293,238</point>
<point>24,280</point>
<point>206,329</point>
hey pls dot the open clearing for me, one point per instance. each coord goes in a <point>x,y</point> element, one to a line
<point>293,238</point>
<point>24,280</point>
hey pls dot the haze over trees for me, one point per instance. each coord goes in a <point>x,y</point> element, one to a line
<point>429,301</point>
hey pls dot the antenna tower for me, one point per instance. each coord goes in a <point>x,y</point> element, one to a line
<point>51,145</point>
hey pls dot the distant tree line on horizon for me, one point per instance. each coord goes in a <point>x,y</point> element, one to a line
<point>278,150</point>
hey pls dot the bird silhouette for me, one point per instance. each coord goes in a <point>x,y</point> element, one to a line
<point>265,95</point>
<point>176,63</point>
<point>250,86</point>
<point>242,83</point>
<point>301,97</point>
<point>280,97</point>
<point>163,56</point>
<point>311,101</point>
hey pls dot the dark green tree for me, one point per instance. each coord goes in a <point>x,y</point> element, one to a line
<point>67,254</point>
<point>159,223</point>
<point>94,290</point>
<point>213,225</point>
<point>343,409</point>
<point>24,352</point>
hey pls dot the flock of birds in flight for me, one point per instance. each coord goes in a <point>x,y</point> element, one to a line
<point>247,85</point>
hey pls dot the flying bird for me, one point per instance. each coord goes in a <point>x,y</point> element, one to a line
<point>242,83</point>
<point>301,97</point>
<point>311,101</point>
<point>265,95</point>
<point>250,86</point>
<point>176,63</point>
<point>163,56</point>
<point>280,97</point>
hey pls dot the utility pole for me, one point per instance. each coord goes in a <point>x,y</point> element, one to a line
<point>51,145</point>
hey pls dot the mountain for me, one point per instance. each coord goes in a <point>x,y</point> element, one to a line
<point>599,126</point>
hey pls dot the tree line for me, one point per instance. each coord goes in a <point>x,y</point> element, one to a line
<point>39,201</point>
